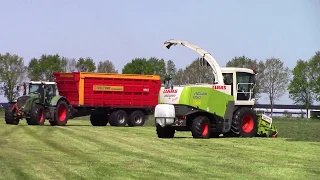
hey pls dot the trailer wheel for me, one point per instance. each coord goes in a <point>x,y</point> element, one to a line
<point>61,113</point>
<point>9,115</point>
<point>136,118</point>
<point>37,116</point>
<point>118,118</point>
<point>201,127</point>
<point>99,119</point>
<point>165,132</point>
<point>244,123</point>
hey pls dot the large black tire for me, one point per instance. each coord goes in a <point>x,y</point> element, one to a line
<point>9,115</point>
<point>118,118</point>
<point>136,118</point>
<point>165,132</point>
<point>99,119</point>
<point>244,123</point>
<point>61,114</point>
<point>37,116</point>
<point>201,127</point>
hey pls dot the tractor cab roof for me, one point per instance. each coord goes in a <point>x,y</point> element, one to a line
<point>42,82</point>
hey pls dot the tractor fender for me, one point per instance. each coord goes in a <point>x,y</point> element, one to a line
<point>56,99</point>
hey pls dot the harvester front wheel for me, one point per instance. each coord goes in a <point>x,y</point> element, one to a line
<point>201,127</point>
<point>61,113</point>
<point>9,115</point>
<point>244,123</point>
<point>98,119</point>
<point>165,132</point>
<point>118,118</point>
<point>136,118</point>
<point>37,116</point>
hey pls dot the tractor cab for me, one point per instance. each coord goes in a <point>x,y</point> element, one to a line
<point>47,90</point>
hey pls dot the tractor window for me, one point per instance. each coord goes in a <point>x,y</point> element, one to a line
<point>245,83</point>
<point>34,88</point>
<point>51,90</point>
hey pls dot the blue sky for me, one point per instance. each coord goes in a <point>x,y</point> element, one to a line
<point>124,29</point>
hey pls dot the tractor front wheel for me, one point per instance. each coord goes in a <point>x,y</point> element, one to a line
<point>201,127</point>
<point>9,114</point>
<point>37,116</point>
<point>61,113</point>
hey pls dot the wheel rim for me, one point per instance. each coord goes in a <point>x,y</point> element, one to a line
<point>121,118</point>
<point>62,113</point>
<point>205,128</point>
<point>247,123</point>
<point>138,119</point>
<point>41,116</point>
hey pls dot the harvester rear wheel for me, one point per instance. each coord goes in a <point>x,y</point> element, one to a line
<point>61,113</point>
<point>118,118</point>
<point>136,118</point>
<point>37,116</point>
<point>244,123</point>
<point>201,127</point>
<point>9,115</point>
<point>99,119</point>
<point>165,132</point>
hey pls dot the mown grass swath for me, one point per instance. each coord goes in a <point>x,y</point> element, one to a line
<point>82,151</point>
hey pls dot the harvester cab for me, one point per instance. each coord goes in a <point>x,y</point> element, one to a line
<point>209,110</point>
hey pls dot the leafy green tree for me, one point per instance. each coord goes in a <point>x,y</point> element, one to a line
<point>85,65</point>
<point>245,62</point>
<point>106,67</point>
<point>12,73</point>
<point>42,69</point>
<point>275,80</point>
<point>138,66</point>
<point>194,73</point>
<point>158,66</point>
<point>300,88</point>
<point>314,65</point>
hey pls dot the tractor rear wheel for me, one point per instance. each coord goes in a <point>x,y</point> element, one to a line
<point>201,127</point>
<point>165,132</point>
<point>244,123</point>
<point>61,113</point>
<point>136,118</point>
<point>9,114</point>
<point>118,118</point>
<point>99,119</point>
<point>37,116</point>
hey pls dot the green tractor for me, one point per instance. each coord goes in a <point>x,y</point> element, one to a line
<point>42,102</point>
<point>209,110</point>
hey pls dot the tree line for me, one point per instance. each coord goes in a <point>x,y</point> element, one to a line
<point>273,77</point>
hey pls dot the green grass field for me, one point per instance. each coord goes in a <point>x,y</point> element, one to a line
<point>81,151</point>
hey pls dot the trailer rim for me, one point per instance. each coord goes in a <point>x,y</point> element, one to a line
<point>247,123</point>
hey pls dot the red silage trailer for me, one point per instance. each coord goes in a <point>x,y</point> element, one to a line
<point>119,99</point>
